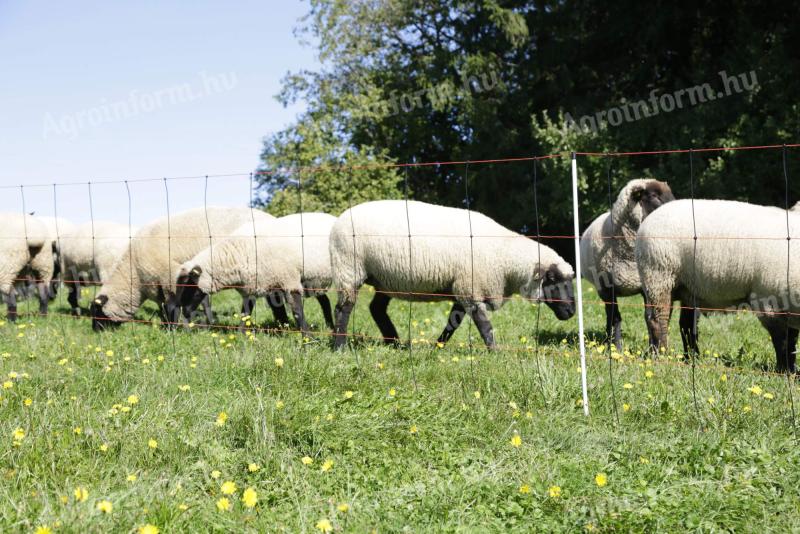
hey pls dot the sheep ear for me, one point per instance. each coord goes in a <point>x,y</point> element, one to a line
<point>637,192</point>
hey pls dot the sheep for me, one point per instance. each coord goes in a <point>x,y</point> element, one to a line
<point>273,262</point>
<point>424,252</point>
<point>24,246</point>
<point>741,259</point>
<point>89,252</point>
<point>147,270</point>
<point>607,247</point>
<point>56,227</point>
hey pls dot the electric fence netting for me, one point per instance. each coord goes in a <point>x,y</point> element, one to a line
<point>504,277</point>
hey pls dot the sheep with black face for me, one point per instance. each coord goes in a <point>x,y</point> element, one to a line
<point>607,247</point>
<point>417,251</point>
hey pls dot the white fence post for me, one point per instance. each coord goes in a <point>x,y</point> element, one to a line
<point>579,289</point>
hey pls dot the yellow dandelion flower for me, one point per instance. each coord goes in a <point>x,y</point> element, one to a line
<point>768,396</point>
<point>649,374</point>
<point>392,392</point>
<point>153,444</point>
<point>27,402</point>
<point>132,477</point>
<point>18,434</point>
<point>221,418</point>
<point>253,467</point>
<point>77,430</point>
<point>348,394</point>
<point>711,400</point>
<point>755,390</point>
<point>215,474</point>
<point>184,387</point>
<point>105,506</point>
<point>223,504</point>
<point>324,526</point>
<point>104,447</point>
<point>228,487</point>
<point>42,529</point>
<point>343,507</point>
<point>8,384</point>
<point>476,394</point>
<point>307,460</point>
<point>133,399</point>
<point>601,479</point>
<point>524,489</point>
<point>516,440</point>
<point>279,362</point>
<point>148,529</point>
<point>643,460</point>
<point>279,405</point>
<point>80,494</point>
<point>249,497</point>
<point>627,385</point>
<point>747,409</point>
<point>183,507</point>
<point>723,377</point>
<point>327,465</point>
<point>329,417</point>
<point>554,492</point>
<point>413,429</point>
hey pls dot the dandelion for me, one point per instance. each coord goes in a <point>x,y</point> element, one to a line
<point>153,444</point>
<point>184,387</point>
<point>711,401</point>
<point>627,385</point>
<point>600,479</point>
<point>324,526</point>
<point>755,390</point>
<point>249,497</point>
<point>516,440</point>
<point>649,374</point>
<point>27,402</point>
<point>392,392</point>
<point>477,394</point>
<point>554,492</point>
<point>525,489</point>
<point>723,377</point>
<point>343,507</point>
<point>326,466</point>
<point>105,506</point>
<point>183,507</point>
<point>104,447</point>
<point>279,405</point>
<point>18,434</point>
<point>253,467</point>
<point>348,394</point>
<point>278,362</point>
<point>43,529</point>
<point>133,399</point>
<point>307,460</point>
<point>626,407</point>
<point>223,504</point>
<point>77,430</point>
<point>747,409</point>
<point>413,429</point>
<point>215,474</point>
<point>228,488</point>
<point>221,418</point>
<point>329,417</point>
<point>148,529</point>
<point>131,478</point>
<point>8,384</point>
<point>80,494</point>
<point>769,396</point>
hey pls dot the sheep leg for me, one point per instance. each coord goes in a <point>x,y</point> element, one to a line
<point>296,302</point>
<point>11,302</point>
<point>656,317</point>
<point>325,304</point>
<point>207,309</point>
<point>377,308</point>
<point>73,289</point>
<point>481,319</point>
<point>44,297</point>
<point>613,320</point>
<point>248,304</point>
<point>688,325</point>
<point>457,313</point>
<point>784,345</point>
<point>344,307</point>
<point>275,302</point>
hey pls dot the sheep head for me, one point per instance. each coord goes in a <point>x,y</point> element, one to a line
<point>553,285</point>
<point>188,292</point>
<point>100,320</point>
<point>638,199</point>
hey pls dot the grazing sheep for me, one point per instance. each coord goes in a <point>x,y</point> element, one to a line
<point>147,270</point>
<point>56,228</point>
<point>24,246</point>
<point>607,248</point>
<point>740,259</point>
<point>273,262</point>
<point>370,244</point>
<point>88,254</point>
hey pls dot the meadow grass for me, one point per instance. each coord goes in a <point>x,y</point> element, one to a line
<point>388,440</point>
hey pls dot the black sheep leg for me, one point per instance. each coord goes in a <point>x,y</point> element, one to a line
<point>44,297</point>
<point>457,313</point>
<point>275,302</point>
<point>325,304</point>
<point>378,307</point>
<point>73,290</point>
<point>484,326</point>
<point>688,326</point>
<point>344,307</point>
<point>784,346</point>
<point>11,302</point>
<point>296,302</point>
<point>613,319</point>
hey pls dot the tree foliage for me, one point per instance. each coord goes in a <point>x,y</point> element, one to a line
<point>475,80</point>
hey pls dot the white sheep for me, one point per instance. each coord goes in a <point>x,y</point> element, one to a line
<point>89,253</point>
<point>24,246</point>
<point>417,251</point>
<point>56,228</point>
<point>269,264</point>
<point>740,260</point>
<point>607,247</point>
<point>148,269</point>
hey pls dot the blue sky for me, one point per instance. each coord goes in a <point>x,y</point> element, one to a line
<point>95,91</point>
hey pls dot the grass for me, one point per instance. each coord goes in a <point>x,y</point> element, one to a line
<point>425,441</point>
